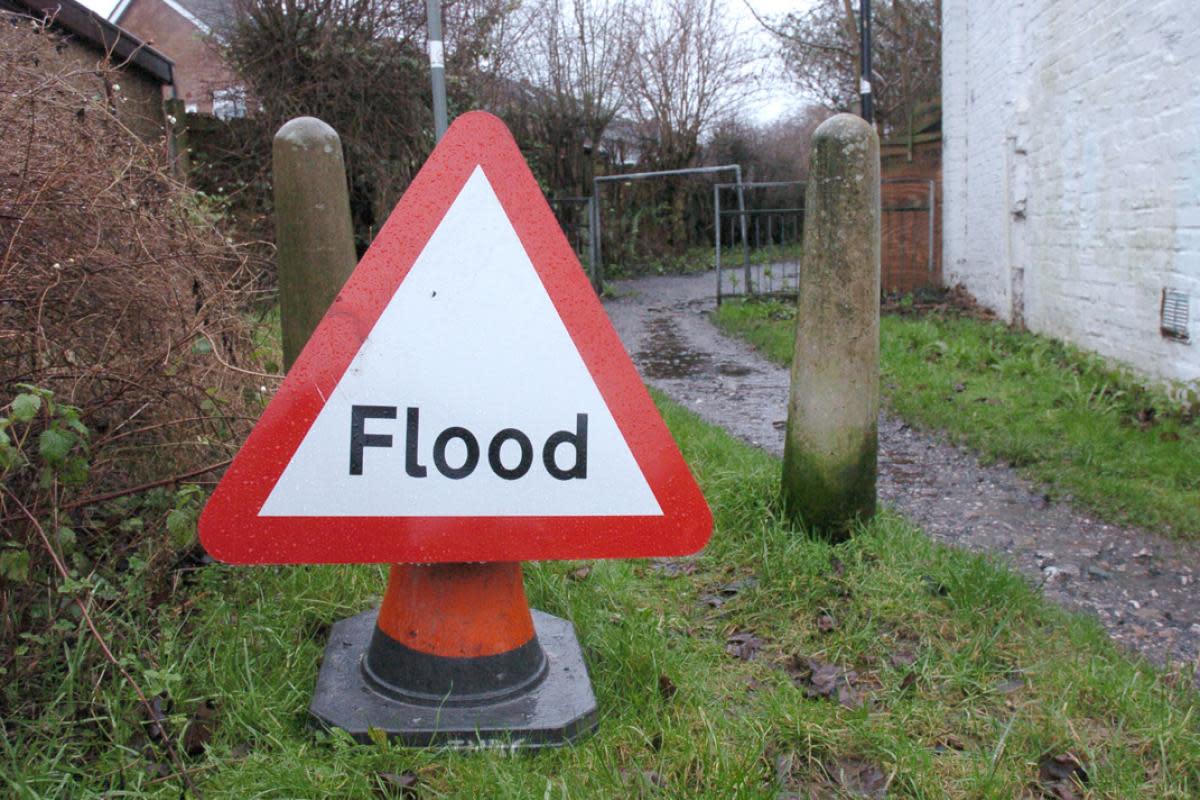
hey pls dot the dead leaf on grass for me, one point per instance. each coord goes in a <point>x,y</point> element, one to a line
<point>821,679</point>
<point>1061,776</point>
<point>743,645</point>
<point>581,573</point>
<point>826,623</point>
<point>858,778</point>
<point>727,592</point>
<point>673,567</point>
<point>1012,684</point>
<point>666,687</point>
<point>402,786</point>
<point>156,720</point>
<point>199,729</point>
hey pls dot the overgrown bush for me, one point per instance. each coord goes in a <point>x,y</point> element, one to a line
<point>126,361</point>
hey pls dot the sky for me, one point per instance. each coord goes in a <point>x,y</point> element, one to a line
<point>775,97</point>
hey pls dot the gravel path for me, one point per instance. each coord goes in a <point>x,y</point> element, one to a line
<point>1140,585</point>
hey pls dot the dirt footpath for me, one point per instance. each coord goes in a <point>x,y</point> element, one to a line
<point>1140,585</point>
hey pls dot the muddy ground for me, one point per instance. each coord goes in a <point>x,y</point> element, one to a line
<point>1139,584</point>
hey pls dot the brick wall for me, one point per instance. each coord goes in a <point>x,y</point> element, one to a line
<point>199,69</point>
<point>1071,169</point>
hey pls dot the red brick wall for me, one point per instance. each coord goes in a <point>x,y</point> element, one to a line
<point>199,70</point>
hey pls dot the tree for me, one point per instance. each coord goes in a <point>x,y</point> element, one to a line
<point>689,68</point>
<point>565,86</point>
<point>820,47</point>
<point>360,65</point>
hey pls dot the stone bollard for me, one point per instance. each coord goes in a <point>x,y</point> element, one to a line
<point>829,456</point>
<point>314,238</point>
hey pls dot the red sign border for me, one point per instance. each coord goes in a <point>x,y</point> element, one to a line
<point>232,531</point>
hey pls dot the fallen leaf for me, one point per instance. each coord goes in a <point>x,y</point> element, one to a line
<point>200,728</point>
<point>858,778</point>
<point>736,587</point>
<point>673,567</point>
<point>953,742</point>
<point>1013,684</point>
<point>727,591</point>
<point>581,573</point>
<point>396,785</point>
<point>666,687</point>
<point>826,623</point>
<point>743,645</point>
<point>156,720</point>
<point>1061,776</point>
<point>901,658</point>
<point>821,679</point>
<point>654,779</point>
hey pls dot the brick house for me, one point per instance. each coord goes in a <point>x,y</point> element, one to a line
<point>146,77</point>
<point>183,29</point>
<point>1072,171</point>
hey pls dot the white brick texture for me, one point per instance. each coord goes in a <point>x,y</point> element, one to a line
<point>1071,169</point>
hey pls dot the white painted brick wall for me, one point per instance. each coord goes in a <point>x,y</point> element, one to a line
<point>1071,168</point>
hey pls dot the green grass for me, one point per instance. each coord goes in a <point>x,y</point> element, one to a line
<point>702,258</point>
<point>971,678</point>
<point>1065,417</point>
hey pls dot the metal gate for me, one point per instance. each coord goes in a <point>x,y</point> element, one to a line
<point>765,238</point>
<point>768,233</point>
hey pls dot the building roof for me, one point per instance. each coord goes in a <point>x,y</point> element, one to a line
<point>87,25</point>
<point>206,15</point>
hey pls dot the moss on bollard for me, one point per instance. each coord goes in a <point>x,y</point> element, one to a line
<point>829,456</point>
<point>314,238</point>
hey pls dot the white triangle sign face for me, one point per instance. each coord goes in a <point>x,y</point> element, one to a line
<point>465,398</point>
<point>454,346</point>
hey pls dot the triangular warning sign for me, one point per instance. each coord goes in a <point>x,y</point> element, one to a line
<point>465,398</point>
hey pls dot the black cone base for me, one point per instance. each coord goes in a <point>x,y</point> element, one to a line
<point>555,712</point>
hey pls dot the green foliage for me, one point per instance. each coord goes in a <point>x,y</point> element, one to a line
<point>1069,419</point>
<point>61,439</point>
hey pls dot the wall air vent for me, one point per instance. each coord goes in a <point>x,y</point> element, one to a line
<point>1174,324</point>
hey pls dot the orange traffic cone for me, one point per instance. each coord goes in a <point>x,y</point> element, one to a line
<point>454,656</point>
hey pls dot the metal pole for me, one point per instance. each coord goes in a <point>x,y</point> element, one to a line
<point>864,76</point>
<point>437,66</point>
<point>598,264</point>
<point>717,230</point>
<point>737,171</point>
<point>932,192</point>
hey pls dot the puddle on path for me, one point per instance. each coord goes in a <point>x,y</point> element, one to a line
<point>733,370</point>
<point>664,354</point>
